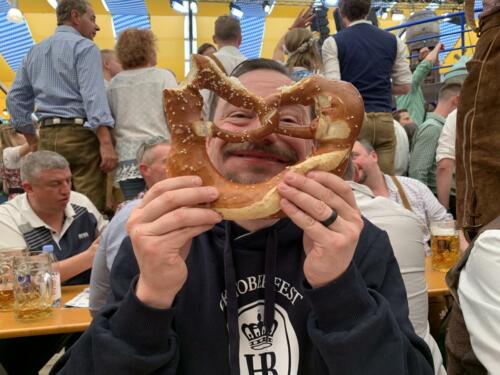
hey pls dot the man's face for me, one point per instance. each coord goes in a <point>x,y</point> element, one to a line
<point>155,170</point>
<point>404,118</point>
<point>256,162</point>
<point>365,163</point>
<point>113,65</point>
<point>86,23</point>
<point>50,193</point>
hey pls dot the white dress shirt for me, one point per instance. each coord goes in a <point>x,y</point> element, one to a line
<point>423,203</point>
<point>402,151</point>
<point>405,232</point>
<point>479,295</point>
<point>446,144</point>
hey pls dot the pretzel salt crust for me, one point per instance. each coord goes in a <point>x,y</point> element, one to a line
<point>338,106</point>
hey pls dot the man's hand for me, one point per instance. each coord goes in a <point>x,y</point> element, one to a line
<point>161,229</point>
<point>108,157</point>
<point>32,140</point>
<point>310,199</point>
<point>304,18</point>
<point>93,247</point>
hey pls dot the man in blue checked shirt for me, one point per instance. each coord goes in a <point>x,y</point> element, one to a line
<point>60,86</point>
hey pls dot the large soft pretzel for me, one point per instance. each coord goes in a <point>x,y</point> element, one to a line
<point>338,107</point>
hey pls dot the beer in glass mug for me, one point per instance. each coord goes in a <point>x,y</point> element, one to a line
<point>444,245</point>
<point>7,278</point>
<point>32,286</point>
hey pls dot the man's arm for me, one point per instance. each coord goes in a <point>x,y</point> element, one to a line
<point>401,73</point>
<point>358,318</point>
<point>479,299</point>
<point>75,265</point>
<point>331,63</point>
<point>134,334</point>
<point>21,103</point>
<point>353,316</point>
<point>93,92</point>
<point>444,180</point>
<point>423,152</point>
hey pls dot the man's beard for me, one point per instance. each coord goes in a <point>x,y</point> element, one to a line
<point>361,176</point>
<point>251,174</point>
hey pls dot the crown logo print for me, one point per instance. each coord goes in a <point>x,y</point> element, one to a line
<point>256,333</point>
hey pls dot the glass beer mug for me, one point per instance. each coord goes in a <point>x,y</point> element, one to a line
<point>32,286</point>
<point>444,245</point>
<point>7,278</point>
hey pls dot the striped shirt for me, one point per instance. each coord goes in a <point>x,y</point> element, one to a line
<point>423,203</point>
<point>21,227</point>
<point>60,77</point>
<point>423,150</point>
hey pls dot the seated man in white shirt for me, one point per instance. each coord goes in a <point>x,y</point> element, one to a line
<point>408,192</point>
<point>50,213</point>
<point>405,233</point>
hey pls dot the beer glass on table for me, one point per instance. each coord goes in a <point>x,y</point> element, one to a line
<point>32,286</point>
<point>444,245</point>
<point>7,278</point>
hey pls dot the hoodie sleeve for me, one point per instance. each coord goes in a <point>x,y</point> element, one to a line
<point>142,335</point>
<point>359,323</point>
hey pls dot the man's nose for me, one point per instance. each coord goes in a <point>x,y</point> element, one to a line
<point>97,28</point>
<point>66,186</point>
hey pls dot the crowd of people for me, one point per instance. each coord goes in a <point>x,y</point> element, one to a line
<point>338,286</point>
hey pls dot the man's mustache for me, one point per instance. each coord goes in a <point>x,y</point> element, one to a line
<point>288,155</point>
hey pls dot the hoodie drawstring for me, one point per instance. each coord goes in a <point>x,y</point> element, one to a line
<point>232,297</point>
<point>232,304</point>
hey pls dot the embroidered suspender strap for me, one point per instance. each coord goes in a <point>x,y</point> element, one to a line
<point>402,194</point>
<point>217,61</point>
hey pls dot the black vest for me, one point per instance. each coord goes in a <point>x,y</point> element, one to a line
<point>366,57</point>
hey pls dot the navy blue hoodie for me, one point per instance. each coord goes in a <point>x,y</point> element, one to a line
<point>357,324</point>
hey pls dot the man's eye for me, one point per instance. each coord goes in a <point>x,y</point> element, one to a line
<point>290,121</point>
<point>241,115</point>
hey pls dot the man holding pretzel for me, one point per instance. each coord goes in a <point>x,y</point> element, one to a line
<point>318,292</point>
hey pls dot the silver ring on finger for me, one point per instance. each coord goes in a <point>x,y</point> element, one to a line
<point>330,219</point>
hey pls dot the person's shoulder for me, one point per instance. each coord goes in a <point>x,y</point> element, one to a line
<point>125,210</point>
<point>14,204</point>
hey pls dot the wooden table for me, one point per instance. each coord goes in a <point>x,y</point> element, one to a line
<point>63,320</point>
<point>435,281</point>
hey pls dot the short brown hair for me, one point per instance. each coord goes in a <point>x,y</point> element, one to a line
<point>448,91</point>
<point>396,115</point>
<point>204,47</point>
<point>135,48</point>
<point>227,28</point>
<point>64,8</point>
<point>355,9</point>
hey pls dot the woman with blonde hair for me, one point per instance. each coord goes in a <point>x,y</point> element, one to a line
<point>301,47</point>
<point>135,97</point>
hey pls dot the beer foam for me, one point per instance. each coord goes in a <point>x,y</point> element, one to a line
<point>439,231</point>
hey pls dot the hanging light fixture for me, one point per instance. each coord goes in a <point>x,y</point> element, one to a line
<point>14,15</point>
<point>235,10</point>
<point>268,7</point>
<point>179,6</point>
